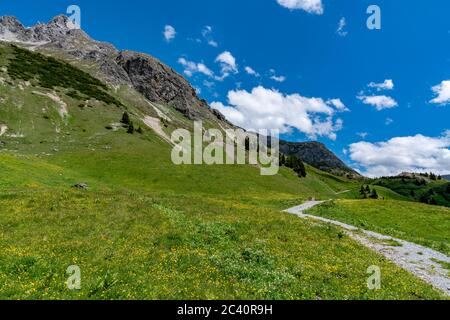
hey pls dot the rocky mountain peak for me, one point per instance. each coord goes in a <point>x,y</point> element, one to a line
<point>10,23</point>
<point>12,30</point>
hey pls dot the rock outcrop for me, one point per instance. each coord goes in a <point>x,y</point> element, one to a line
<point>159,83</point>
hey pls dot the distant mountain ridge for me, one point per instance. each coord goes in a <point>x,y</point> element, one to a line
<point>319,156</point>
<point>446,177</point>
<point>147,75</point>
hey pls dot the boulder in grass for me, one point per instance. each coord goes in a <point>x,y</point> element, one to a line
<point>81,186</point>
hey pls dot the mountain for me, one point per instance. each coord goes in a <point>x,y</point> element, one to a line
<point>318,156</point>
<point>446,177</point>
<point>147,75</point>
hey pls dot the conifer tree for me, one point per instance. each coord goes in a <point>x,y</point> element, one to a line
<point>125,118</point>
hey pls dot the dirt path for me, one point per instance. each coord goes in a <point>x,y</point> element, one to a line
<point>342,192</point>
<point>417,259</point>
<point>155,125</point>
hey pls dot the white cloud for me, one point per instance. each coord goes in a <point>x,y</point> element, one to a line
<point>379,102</point>
<point>442,91</point>
<point>341,27</point>
<point>206,33</point>
<point>207,30</point>
<point>363,135</point>
<point>389,121</point>
<point>208,84</point>
<point>278,78</point>
<point>275,77</point>
<point>213,43</point>
<point>338,104</point>
<point>311,6</point>
<point>251,72</point>
<point>190,68</point>
<point>386,85</point>
<point>412,154</point>
<point>270,109</point>
<point>227,63</point>
<point>169,33</point>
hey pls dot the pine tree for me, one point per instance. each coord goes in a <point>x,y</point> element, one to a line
<point>282,160</point>
<point>424,199</point>
<point>302,169</point>
<point>125,118</point>
<point>367,189</point>
<point>130,128</point>
<point>362,191</point>
<point>374,194</point>
<point>139,130</point>
<point>289,160</point>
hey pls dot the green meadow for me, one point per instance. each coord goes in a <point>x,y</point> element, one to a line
<point>148,229</point>
<point>419,223</point>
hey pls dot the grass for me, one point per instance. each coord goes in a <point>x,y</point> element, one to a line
<point>419,223</point>
<point>147,229</point>
<point>134,246</point>
<point>444,265</point>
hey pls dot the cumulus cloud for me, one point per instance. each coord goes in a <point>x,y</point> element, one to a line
<point>311,6</point>
<point>341,27</point>
<point>442,92</point>
<point>190,68</point>
<point>417,153</point>
<point>270,109</point>
<point>379,102</point>
<point>169,33</point>
<point>386,85</point>
<point>227,63</point>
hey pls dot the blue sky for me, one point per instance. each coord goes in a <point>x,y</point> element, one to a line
<point>299,54</point>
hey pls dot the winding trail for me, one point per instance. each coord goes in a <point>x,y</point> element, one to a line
<point>419,260</point>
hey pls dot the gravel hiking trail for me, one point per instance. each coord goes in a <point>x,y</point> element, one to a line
<point>423,262</point>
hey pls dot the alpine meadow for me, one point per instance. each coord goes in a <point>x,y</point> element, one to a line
<point>94,206</point>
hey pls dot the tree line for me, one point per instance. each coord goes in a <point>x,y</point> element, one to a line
<point>293,163</point>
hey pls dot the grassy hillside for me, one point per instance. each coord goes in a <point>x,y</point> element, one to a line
<point>419,189</point>
<point>415,222</point>
<point>148,229</point>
